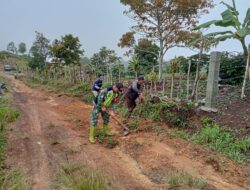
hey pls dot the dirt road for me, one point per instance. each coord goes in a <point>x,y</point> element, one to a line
<point>53,130</point>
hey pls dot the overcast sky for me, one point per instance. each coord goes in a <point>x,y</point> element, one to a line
<point>96,22</point>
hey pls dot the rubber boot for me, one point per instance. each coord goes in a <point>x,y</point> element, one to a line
<point>106,130</point>
<point>92,135</point>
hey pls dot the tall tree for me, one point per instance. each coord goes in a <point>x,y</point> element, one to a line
<point>165,21</point>
<point>230,19</point>
<point>147,54</point>
<point>103,62</point>
<point>67,50</point>
<point>22,48</point>
<point>11,47</point>
<point>39,51</point>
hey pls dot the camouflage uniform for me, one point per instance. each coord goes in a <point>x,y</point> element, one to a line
<point>104,99</point>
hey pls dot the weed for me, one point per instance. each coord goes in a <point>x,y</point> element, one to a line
<point>180,179</point>
<point>121,111</point>
<point>9,179</point>
<point>178,133</point>
<point>157,129</point>
<point>79,177</point>
<point>133,125</point>
<point>14,180</point>
<point>100,136</point>
<point>206,121</point>
<point>51,125</point>
<point>223,141</point>
<point>88,97</point>
<point>111,142</point>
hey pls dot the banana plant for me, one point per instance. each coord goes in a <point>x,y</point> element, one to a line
<point>230,18</point>
<point>135,63</point>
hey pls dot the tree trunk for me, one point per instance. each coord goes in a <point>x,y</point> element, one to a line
<point>188,75</point>
<point>172,86</point>
<point>161,60</point>
<point>245,53</point>
<point>151,86</point>
<point>119,77</point>
<point>163,86</point>
<point>197,75</point>
<point>246,74</point>
<point>155,82</point>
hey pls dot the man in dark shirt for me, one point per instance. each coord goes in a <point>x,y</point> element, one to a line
<point>133,92</point>
<point>97,86</point>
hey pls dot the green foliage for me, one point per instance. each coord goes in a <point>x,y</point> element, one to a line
<point>232,69</point>
<point>181,179</point>
<point>8,179</point>
<point>88,97</point>
<point>194,59</point>
<point>134,65</point>
<point>223,141</point>
<point>14,180</point>
<point>11,47</point>
<point>178,133</point>
<point>152,76</point>
<point>102,61</point>
<point>175,114</point>
<point>39,52</point>
<point>229,19</point>
<point>133,124</point>
<point>121,110</point>
<point>118,71</point>
<point>67,50</point>
<point>206,121</point>
<point>8,114</point>
<point>22,48</point>
<point>79,177</point>
<point>6,55</point>
<point>147,54</point>
<point>100,136</point>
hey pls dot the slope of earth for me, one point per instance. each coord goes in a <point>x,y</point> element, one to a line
<point>53,130</point>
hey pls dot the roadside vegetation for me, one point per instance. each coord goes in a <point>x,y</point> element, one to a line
<point>9,178</point>
<point>79,177</point>
<point>180,179</point>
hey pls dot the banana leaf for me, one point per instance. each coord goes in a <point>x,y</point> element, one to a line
<point>246,22</point>
<point>243,32</point>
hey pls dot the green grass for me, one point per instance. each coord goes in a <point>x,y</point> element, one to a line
<point>183,180</point>
<point>9,179</point>
<point>14,180</point>
<point>213,136</point>
<point>178,133</point>
<point>80,89</point>
<point>79,177</point>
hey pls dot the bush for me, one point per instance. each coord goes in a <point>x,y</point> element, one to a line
<point>175,114</point>
<point>232,69</point>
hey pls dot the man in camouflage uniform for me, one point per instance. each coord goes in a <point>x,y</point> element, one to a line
<point>103,101</point>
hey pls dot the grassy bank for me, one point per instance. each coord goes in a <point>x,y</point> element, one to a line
<point>10,179</point>
<point>80,90</point>
<point>79,177</point>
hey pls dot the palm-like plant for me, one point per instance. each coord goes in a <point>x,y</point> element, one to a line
<point>241,30</point>
<point>135,63</point>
